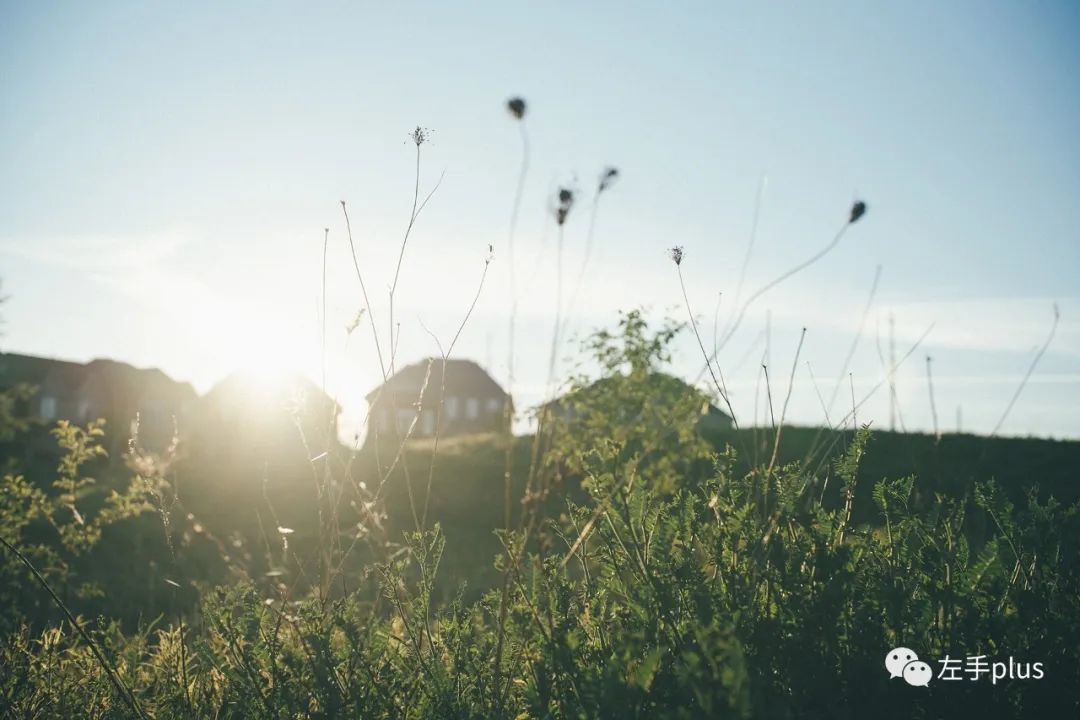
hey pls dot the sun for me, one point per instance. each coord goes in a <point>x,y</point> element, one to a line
<point>260,341</point>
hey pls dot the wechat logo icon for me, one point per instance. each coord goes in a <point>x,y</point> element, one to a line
<point>903,663</point>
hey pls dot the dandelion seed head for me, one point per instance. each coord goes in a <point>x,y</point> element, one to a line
<point>857,211</point>
<point>676,254</point>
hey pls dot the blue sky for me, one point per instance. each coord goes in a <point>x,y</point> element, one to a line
<point>166,172</point>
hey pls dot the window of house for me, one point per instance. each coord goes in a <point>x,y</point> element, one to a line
<point>451,408</point>
<point>404,420</point>
<point>493,405</point>
<point>427,423</point>
<point>48,408</point>
<point>472,408</point>
<point>84,410</point>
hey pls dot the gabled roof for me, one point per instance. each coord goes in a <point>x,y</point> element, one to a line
<point>463,378</point>
<point>16,369</point>
<point>242,390</point>
<point>68,376</point>
<point>659,379</point>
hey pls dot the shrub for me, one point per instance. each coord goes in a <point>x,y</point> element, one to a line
<point>670,586</point>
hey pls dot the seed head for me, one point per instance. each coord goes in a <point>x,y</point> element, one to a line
<point>565,202</point>
<point>420,135</point>
<point>355,322</point>
<point>516,106</point>
<point>857,211</point>
<point>607,179</point>
<point>676,254</point>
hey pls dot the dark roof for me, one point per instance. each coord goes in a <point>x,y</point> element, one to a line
<point>18,369</point>
<point>463,377</point>
<point>241,389</point>
<point>656,378</point>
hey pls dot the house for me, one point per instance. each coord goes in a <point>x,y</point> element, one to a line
<point>473,402</point>
<point>660,386</point>
<point>262,412</point>
<point>256,441</point>
<point>115,391</point>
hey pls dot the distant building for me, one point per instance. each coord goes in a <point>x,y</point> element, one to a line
<point>712,419</point>
<point>473,401</point>
<point>263,413</point>
<point>256,441</point>
<point>115,391</point>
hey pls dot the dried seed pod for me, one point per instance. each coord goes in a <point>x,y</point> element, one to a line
<point>607,178</point>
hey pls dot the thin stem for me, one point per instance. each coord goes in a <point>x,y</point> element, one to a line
<point>817,390</point>
<point>814,447</point>
<point>933,405</point>
<point>894,406</point>
<point>558,310</point>
<point>721,387</point>
<point>588,251</point>
<point>770,285</point>
<point>114,677</point>
<point>363,289</point>
<point>1030,370</point>
<point>183,665</point>
<point>854,417</point>
<point>326,240</point>
<point>401,255</point>
<point>413,215</point>
<point>749,249</point>
<point>858,336</point>
<point>895,412</point>
<point>768,395</point>
<point>442,388</point>
<point>787,398</point>
<point>508,410</point>
<point>716,321</point>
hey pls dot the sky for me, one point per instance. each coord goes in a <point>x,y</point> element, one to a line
<point>167,172</point>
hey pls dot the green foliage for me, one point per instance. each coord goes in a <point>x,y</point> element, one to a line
<point>52,529</point>
<point>11,422</point>
<point>673,585</point>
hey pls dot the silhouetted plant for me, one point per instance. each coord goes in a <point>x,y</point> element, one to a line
<point>672,586</point>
